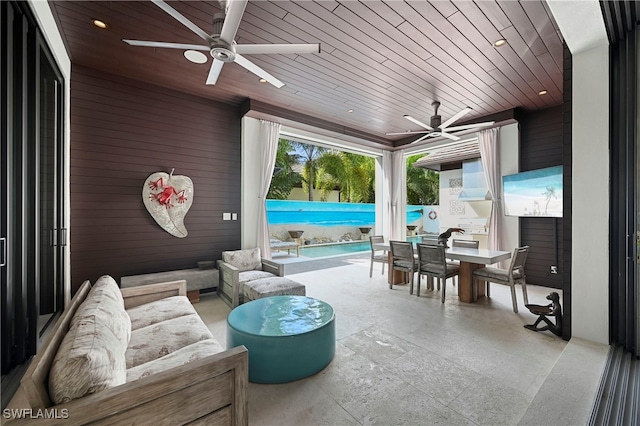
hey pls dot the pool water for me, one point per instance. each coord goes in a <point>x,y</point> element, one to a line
<point>324,250</point>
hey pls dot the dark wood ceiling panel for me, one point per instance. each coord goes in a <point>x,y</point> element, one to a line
<point>546,28</point>
<point>479,31</point>
<point>382,59</point>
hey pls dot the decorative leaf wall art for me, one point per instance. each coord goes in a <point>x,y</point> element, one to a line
<point>168,198</point>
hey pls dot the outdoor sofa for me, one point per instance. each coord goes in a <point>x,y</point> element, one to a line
<point>139,355</point>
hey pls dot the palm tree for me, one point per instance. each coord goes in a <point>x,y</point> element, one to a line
<point>284,177</point>
<point>309,155</point>
<point>550,192</point>
<point>423,185</point>
<point>354,174</point>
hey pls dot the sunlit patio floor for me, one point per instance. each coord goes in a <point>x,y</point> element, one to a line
<point>402,359</point>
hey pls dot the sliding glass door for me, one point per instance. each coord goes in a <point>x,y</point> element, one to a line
<point>32,236</point>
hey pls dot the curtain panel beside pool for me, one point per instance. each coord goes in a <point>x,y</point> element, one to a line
<point>269,135</point>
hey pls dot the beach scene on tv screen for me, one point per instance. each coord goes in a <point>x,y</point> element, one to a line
<point>533,193</point>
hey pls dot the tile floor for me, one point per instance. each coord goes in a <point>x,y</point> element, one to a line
<point>402,359</point>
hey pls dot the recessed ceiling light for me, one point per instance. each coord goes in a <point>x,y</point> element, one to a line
<point>100,24</point>
<point>195,56</point>
<point>542,92</point>
<point>263,80</point>
<point>500,42</point>
<point>349,111</point>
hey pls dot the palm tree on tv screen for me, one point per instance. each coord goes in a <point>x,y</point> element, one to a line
<point>550,192</point>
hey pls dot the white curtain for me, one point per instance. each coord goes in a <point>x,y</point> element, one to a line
<point>394,178</point>
<point>268,142</point>
<point>490,157</point>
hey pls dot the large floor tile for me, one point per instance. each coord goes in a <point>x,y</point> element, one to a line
<point>490,403</point>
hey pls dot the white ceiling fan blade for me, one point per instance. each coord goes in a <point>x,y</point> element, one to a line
<point>470,126</point>
<point>422,138</point>
<point>167,45</point>
<point>283,49</point>
<point>418,122</point>
<point>214,72</point>
<point>244,62</point>
<point>419,132</point>
<point>233,16</point>
<point>450,136</point>
<point>456,117</point>
<point>182,19</point>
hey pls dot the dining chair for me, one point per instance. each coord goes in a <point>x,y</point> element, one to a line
<point>403,260</point>
<point>433,263</point>
<point>512,276</point>
<point>432,241</point>
<point>377,257</point>
<point>429,240</point>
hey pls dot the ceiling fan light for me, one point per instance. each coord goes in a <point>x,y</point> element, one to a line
<point>100,24</point>
<point>500,42</point>
<point>263,80</point>
<point>195,56</point>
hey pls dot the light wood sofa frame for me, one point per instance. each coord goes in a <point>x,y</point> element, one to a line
<point>209,391</point>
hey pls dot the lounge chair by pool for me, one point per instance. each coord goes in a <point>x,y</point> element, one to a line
<point>284,245</point>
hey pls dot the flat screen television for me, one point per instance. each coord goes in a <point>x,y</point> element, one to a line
<point>536,193</point>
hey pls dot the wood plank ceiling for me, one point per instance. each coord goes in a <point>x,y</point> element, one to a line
<point>380,59</point>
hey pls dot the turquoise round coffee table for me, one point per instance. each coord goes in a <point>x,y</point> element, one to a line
<point>288,337</point>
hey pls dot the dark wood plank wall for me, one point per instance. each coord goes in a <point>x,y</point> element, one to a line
<point>122,131</point>
<point>541,135</point>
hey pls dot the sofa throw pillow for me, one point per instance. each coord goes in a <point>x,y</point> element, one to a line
<point>105,305</point>
<point>108,287</point>
<point>244,260</point>
<point>89,359</point>
<point>108,313</point>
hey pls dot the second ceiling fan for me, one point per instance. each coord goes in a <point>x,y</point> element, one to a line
<point>221,43</point>
<point>436,128</point>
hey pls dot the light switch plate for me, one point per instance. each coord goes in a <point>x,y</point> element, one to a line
<point>226,216</point>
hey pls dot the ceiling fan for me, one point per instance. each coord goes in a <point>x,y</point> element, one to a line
<point>221,44</point>
<point>437,128</point>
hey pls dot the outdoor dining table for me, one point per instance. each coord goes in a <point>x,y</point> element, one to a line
<point>470,260</point>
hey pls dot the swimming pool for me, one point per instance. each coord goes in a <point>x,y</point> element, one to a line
<point>324,250</point>
<point>335,249</point>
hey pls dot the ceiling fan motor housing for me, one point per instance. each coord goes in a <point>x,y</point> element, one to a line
<point>436,120</point>
<point>219,49</point>
<point>223,52</point>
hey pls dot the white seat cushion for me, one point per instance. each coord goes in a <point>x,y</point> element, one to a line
<point>161,339</point>
<point>160,310</point>
<point>274,286</point>
<point>190,353</point>
<point>247,276</point>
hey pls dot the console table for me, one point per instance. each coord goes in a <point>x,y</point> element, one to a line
<point>197,279</point>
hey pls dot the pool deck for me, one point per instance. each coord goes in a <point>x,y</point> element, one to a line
<point>296,265</point>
